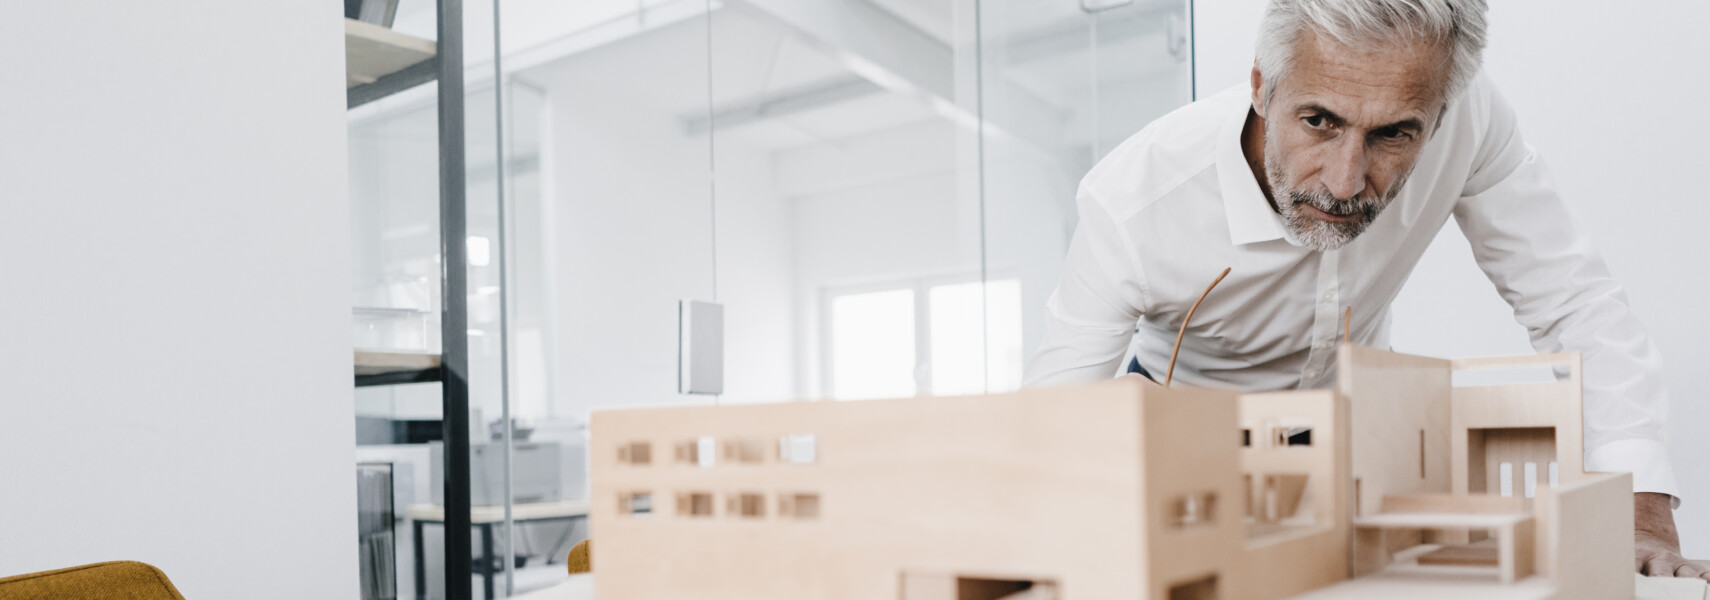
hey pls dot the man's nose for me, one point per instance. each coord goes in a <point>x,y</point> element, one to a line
<point>1345,176</point>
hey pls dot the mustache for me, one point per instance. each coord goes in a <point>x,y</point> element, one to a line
<point>1368,209</point>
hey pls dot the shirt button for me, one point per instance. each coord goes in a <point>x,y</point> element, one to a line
<point>1328,296</point>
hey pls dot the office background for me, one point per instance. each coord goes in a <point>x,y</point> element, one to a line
<point>190,222</point>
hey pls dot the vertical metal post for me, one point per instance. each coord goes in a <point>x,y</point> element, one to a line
<point>454,321</point>
<point>980,138</point>
<point>1193,52</point>
<point>504,300</point>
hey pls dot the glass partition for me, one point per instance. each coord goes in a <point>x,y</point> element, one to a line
<point>397,305</point>
<point>878,192</point>
<point>1062,84</point>
<point>840,198</point>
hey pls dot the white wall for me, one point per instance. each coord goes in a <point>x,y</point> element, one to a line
<point>1223,34</point>
<point>175,331</point>
<point>633,238</point>
<point>756,277</point>
<point>1610,97</point>
<point>1607,96</point>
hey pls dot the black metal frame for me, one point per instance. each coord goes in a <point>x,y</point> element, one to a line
<point>392,83</point>
<point>454,329</point>
<point>399,377</point>
<point>453,373</point>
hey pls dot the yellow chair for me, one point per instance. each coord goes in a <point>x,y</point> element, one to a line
<point>119,580</point>
<point>581,559</point>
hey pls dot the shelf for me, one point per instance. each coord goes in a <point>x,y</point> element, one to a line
<point>390,367</point>
<point>379,62</point>
<point>521,511</point>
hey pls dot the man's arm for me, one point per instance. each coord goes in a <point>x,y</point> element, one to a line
<point>1526,243</point>
<point>1090,318</point>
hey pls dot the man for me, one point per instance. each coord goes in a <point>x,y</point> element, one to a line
<point>1365,127</point>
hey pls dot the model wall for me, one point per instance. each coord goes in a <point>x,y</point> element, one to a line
<point>903,486</point>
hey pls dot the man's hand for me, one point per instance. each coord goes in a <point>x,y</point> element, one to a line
<point>1656,545</point>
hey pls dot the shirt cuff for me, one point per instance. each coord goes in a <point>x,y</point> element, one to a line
<point>1647,460</point>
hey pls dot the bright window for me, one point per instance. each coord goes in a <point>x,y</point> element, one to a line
<point>874,337</point>
<point>959,366</point>
<point>872,345</point>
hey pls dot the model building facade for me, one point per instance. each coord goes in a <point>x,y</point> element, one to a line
<point>1122,489</point>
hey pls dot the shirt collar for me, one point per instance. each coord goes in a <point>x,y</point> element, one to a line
<point>1250,216</point>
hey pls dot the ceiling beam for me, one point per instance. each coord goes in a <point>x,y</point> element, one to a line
<point>781,103</point>
<point>883,48</point>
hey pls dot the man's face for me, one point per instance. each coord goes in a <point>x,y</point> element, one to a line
<point>1343,131</point>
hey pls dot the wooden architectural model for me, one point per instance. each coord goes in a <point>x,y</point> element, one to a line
<point>1396,485</point>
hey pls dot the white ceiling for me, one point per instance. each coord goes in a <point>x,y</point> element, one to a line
<point>753,59</point>
<point>936,17</point>
<point>1044,48</point>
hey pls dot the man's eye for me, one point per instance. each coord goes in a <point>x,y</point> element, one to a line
<point>1314,121</point>
<point>1394,135</point>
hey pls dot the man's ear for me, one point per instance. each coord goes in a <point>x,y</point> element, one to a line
<point>1258,83</point>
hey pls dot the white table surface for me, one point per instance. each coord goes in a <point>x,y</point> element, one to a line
<point>578,587</point>
<point>581,587</point>
<point>1668,588</point>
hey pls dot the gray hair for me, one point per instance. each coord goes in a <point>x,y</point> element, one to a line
<point>1455,25</point>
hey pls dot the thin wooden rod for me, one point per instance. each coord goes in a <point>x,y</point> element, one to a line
<point>1347,317</point>
<point>1170,373</point>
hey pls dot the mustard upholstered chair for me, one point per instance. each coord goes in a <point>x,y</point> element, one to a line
<point>121,580</point>
<point>581,558</point>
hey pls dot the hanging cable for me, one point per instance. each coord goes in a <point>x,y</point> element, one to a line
<point>1183,333</point>
<point>980,169</point>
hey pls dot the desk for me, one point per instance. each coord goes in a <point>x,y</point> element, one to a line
<point>581,587</point>
<point>485,517</point>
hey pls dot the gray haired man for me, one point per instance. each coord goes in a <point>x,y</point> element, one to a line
<point>1366,126</point>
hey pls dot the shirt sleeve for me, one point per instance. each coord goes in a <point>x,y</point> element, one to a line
<point>1525,240</point>
<point>1090,318</point>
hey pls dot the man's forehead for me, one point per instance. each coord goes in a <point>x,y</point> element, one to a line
<point>1379,85</point>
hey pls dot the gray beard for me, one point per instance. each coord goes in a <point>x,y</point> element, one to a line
<point>1320,234</point>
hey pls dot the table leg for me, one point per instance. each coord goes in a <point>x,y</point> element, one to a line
<point>421,577</point>
<point>487,559</point>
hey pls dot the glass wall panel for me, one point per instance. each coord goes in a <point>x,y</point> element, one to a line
<point>879,193</point>
<point>397,289</point>
<point>609,204</point>
<point>835,127</point>
<point>393,152</point>
<point>1062,83</point>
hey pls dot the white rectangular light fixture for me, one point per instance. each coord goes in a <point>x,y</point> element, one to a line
<point>700,349</point>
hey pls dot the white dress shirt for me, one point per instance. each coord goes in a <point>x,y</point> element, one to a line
<point>1167,210</point>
